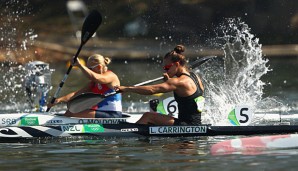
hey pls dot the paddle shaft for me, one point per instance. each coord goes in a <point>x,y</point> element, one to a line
<point>149,81</point>
<point>89,27</point>
<point>196,63</point>
<point>65,78</point>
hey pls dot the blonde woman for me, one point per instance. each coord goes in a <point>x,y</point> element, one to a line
<point>102,81</point>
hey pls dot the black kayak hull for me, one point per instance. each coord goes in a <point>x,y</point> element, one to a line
<point>11,134</point>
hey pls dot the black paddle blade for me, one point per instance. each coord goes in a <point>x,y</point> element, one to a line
<point>90,25</point>
<point>200,61</point>
<point>84,101</point>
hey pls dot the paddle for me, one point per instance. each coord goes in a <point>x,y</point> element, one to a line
<point>90,25</point>
<point>87,100</point>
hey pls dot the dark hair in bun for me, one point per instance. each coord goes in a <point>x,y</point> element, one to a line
<point>176,55</point>
<point>179,49</point>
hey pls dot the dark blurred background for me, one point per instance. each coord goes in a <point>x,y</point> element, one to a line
<point>139,29</point>
<point>273,21</point>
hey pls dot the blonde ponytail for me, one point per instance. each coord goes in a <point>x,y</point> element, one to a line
<point>107,60</point>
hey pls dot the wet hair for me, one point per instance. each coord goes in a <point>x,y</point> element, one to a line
<point>99,59</point>
<point>176,55</point>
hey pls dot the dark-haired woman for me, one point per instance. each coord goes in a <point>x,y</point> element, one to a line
<point>187,88</point>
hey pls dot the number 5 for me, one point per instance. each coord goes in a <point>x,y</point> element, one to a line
<point>241,115</point>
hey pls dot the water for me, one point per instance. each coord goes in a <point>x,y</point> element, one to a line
<point>238,78</point>
<point>14,41</point>
<point>275,90</point>
<point>138,154</point>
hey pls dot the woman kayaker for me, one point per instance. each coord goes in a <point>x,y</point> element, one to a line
<point>187,88</point>
<point>102,81</point>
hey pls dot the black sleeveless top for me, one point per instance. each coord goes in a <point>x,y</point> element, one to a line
<point>187,107</point>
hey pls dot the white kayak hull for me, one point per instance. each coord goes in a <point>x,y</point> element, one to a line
<point>35,119</point>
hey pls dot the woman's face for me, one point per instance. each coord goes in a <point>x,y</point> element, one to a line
<point>170,67</point>
<point>93,66</point>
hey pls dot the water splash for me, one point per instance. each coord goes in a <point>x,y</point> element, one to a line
<point>236,80</point>
<point>15,35</point>
<point>15,41</point>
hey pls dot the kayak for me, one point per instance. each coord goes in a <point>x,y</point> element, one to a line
<point>125,129</point>
<point>39,118</point>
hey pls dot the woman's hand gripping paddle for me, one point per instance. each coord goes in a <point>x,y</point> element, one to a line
<point>87,100</point>
<point>90,25</point>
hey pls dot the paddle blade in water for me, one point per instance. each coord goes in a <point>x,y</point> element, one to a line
<point>90,25</point>
<point>83,102</point>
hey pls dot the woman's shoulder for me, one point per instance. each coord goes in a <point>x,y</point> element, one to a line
<point>112,76</point>
<point>109,72</point>
<point>184,80</point>
<point>178,81</point>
